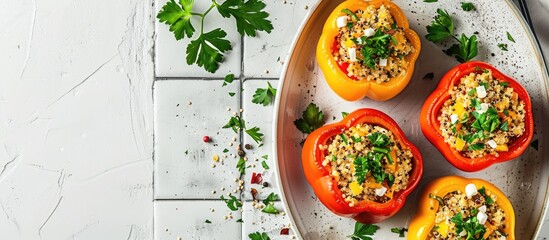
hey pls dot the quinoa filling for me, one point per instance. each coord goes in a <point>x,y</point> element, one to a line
<point>473,216</point>
<point>482,116</point>
<point>367,163</point>
<point>370,45</point>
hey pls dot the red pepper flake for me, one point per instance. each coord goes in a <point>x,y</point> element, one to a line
<point>256,178</point>
<point>285,231</point>
<point>254,193</point>
<point>206,139</point>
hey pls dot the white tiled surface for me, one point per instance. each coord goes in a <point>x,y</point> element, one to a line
<point>264,55</point>
<point>256,221</point>
<point>187,220</point>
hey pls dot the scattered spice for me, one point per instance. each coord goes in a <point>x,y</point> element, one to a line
<point>206,139</point>
<point>256,178</point>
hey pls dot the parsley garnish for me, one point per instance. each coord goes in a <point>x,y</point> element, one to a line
<point>241,165</point>
<point>378,139</point>
<point>208,48</point>
<point>442,27</point>
<point>502,46</point>
<point>232,203</point>
<point>270,209</point>
<point>399,231</point>
<point>239,220</point>
<point>439,199</point>
<point>232,94</point>
<point>510,37</point>
<point>344,138</point>
<point>269,204</point>
<point>264,95</point>
<point>505,84</point>
<point>259,236</point>
<point>208,221</point>
<point>344,114</point>
<point>312,119</point>
<point>476,146</point>
<point>228,80</point>
<point>264,165</point>
<point>225,150</point>
<point>467,6</point>
<point>487,121</point>
<point>363,231</point>
<point>271,198</point>
<point>375,47</point>
<point>265,156</point>
<point>350,13</point>
<point>236,123</point>
<point>255,134</point>
<point>474,230</point>
<point>430,1</point>
<point>504,127</point>
<point>488,199</point>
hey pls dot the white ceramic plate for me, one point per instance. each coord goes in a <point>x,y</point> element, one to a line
<point>525,180</point>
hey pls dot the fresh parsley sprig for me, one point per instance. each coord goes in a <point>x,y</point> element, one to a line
<point>259,236</point>
<point>232,202</point>
<point>312,118</point>
<point>363,231</point>
<point>237,124</point>
<point>442,27</point>
<point>264,95</point>
<point>208,48</point>
<point>474,230</point>
<point>399,231</point>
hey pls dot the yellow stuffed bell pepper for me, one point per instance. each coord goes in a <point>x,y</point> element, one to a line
<point>459,208</point>
<point>367,50</point>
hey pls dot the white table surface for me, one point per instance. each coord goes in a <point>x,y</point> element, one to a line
<point>87,98</point>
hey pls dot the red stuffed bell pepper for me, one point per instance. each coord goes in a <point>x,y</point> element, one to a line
<point>478,116</point>
<point>362,167</point>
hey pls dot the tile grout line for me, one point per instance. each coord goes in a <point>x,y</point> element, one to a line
<point>242,78</point>
<point>211,78</point>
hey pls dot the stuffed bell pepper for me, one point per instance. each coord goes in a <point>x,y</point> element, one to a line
<point>367,49</point>
<point>478,116</point>
<point>362,167</point>
<point>459,208</point>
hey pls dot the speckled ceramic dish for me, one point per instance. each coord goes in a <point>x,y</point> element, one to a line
<point>525,180</point>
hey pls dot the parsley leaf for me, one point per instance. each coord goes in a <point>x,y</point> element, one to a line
<point>466,50</point>
<point>207,48</point>
<point>241,166</point>
<point>399,231</point>
<point>208,221</point>
<point>502,46</point>
<point>264,165</point>
<point>258,236</point>
<point>467,6</point>
<point>228,79</point>
<point>248,14</point>
<point>476,146</point>
<point>363,231</point>
<point>430,1</point>
<point>344,114</point>
<point>474,230</point>
<point>269,204</point>
<point>510,37</point>
<point>350,13</point>
<point>361,169</point>
<point>375,47</point>
<point>232,203</point>
<point>236,123</point>
<point>264,95</point>
<point>255,134</point>
<point>504,127</point>
<point>178,18</point>
<point>271,198</point>
<point>312,119</point>
<point>441,27</point>
<point>378,139</point>
<point>270,208</point>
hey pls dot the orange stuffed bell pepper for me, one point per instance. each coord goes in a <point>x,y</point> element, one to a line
<point>478,116</point>
<point>362,167</point>
<point>367,49</point>
<point>453,207</point>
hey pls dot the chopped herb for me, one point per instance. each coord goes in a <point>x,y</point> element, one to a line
<point>471,226</point>
<point>258,236</point>
<point>270,209</point>
<point>225,150</point>
<point>430,1</point>
<point>442,27</point>
<point>363,231</point>
<point>255,134</point>
<point>236,123</point>
<point>264,165</point>
<point>375,48</point>
<point>467,6</point>
<point>506,112</point>
<point>265,156</point>
<point>472,92</point>
<point>208,221</point>
<point>334,158</point>
<point>476,146</point>
<point>228,79</point>
<point>186,152</point>
<point>504,127</point>
<point>344,114</point>
<point>502,46</point>
<point>232,94</point>
<point>356,139</point>
<point>239,220</point>
<point>487,198</point>
<point>399,231</point>
<point>344,138</point>
<point>350,13</point>
<point>312,119</point>
<point>439,199</point>
<point>264,95</point>
<point>241,165</point>
<point>505,84</point>
<point>466,50</point>
<point>510,37</point>
<point>378,139</point>
<point>271,198</point>
<point>232,203</point>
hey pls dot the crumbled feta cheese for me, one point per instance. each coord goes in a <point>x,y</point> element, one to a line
<point>342,21</point>
<point>482,217</point>
<point>383,62</point>
<point>470,190</point>
<point>481,92</point>
<point>502,238</point>
<point>368,32</point>
<point>492,143</point>
<point>381,191</point>
<point>482,208</point>
<point>352,54</point>
<point>463,233</point>
<point>483,108</point>
<point>453,118</point>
